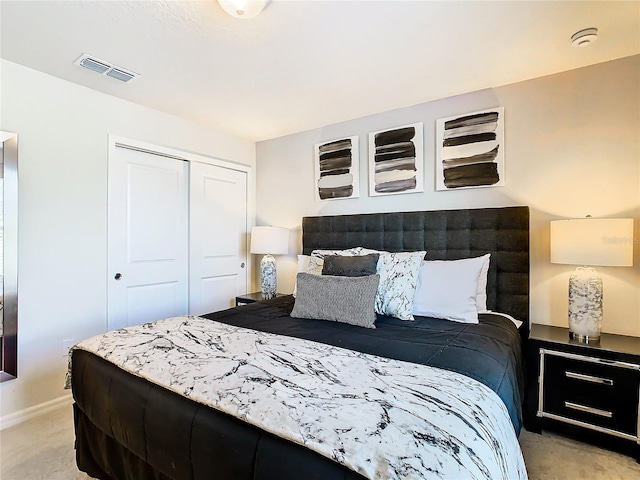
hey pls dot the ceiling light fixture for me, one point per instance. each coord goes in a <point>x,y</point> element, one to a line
<point>585,37</point>
<point>243,8</point>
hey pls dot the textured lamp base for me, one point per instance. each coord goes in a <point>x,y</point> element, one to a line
<point>268,277</point>
<point>585,305</point>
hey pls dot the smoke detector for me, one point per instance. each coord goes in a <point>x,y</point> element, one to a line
<point>585,37</point>
<point>105,68</point>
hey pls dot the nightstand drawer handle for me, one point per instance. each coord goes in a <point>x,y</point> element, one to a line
<point>583,408</point>
<point>589,378</point>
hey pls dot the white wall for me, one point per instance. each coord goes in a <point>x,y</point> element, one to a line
<point>63,130</point>
<point>572,149</point>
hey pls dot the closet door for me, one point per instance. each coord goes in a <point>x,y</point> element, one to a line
<point>147,237</point>
<point>218,237</point>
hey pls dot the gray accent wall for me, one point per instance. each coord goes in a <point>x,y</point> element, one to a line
<point>572,145</point>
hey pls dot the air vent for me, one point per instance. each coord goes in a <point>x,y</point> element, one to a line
<point>105,68</point>
<point>119,74</point>
<point>94,65</point>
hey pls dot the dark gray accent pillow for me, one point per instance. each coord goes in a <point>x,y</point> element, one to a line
<point>339,299</point>
<point>358,266</point>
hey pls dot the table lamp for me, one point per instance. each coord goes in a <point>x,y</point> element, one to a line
<point>269,241</point>
<point>590,242</point>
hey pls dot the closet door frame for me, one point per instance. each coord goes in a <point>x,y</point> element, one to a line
<point>115,141</point>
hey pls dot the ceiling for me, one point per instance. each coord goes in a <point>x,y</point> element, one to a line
<point>301,65</point>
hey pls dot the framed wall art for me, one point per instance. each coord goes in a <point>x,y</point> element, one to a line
<point>337,169</point>
<point>470,150</point>
<point>396,160</point>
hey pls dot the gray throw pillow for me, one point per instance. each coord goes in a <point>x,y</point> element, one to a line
<point>358,266</point>
<point>340,299</point>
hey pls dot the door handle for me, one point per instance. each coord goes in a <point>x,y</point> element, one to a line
<point>118,276</point>
<point>242,265</point>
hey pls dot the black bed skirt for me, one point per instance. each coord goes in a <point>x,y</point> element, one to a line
<point>129,429</point>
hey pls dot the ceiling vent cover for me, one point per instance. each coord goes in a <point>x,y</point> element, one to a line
<point>105,68</point>
<point>120,74</point>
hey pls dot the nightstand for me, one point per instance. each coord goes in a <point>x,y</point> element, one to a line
<point>248,298</point>
<point>590,391</point>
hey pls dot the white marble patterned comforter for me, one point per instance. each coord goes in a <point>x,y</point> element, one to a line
<point>383,418</point>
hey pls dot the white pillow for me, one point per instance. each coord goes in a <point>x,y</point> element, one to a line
<point>517,323</point>
<point>448,288</point>
<point>398,280</point>
<point>303,265</point>
<point>481,295</point>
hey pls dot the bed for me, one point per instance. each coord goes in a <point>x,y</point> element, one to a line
<point>129,427</point>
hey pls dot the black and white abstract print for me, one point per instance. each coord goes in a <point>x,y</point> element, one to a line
<point>396,160</point>
<point>337,169</point>
<point>383,418</point>
<point>470,150</point>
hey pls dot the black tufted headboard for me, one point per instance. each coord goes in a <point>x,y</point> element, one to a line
<point>445,235</point>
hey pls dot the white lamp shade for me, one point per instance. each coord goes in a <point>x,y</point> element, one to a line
<point>593,242</point>
<point>269,240</point>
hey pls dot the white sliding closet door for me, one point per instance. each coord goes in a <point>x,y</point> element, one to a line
<point>177,234</point>
<point>147,237</point>
<point>217,244</point>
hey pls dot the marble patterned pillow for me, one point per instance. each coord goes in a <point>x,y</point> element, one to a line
<point>398,281</point>
<point>316,261</point>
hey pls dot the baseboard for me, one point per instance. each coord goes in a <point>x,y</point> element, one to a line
<point>35,411</point>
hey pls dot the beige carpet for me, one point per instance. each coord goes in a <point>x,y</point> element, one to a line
<point>42,449</point>
<point>554,457</point>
